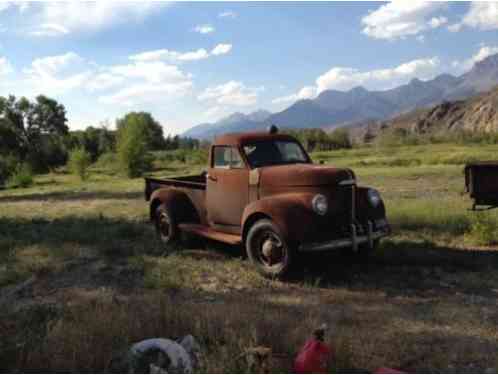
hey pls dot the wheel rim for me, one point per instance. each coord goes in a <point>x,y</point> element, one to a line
<point>271,250</point>
<point>164,226</point>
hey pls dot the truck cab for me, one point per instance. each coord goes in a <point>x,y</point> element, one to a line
<point>263,191</point>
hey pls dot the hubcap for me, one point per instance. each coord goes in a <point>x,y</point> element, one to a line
<point>272,250</point>
<point>164,225</point>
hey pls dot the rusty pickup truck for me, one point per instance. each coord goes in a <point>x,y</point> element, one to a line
<point>262,190</point>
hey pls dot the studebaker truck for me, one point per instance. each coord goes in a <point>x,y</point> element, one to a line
<point>262,190</point>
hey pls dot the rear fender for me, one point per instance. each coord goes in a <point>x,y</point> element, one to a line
<point>290,212</point>
<point>177,201</point>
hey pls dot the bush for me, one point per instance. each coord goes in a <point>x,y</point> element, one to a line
<point>107,160</point>
<point>133,156</point>
<point>8,166</point>
<point>483,230</point>
<point>79,161</point>
<point>22,177</point>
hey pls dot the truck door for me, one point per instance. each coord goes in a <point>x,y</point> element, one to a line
<point>227,188</point>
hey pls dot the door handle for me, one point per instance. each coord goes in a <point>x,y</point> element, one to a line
<point>212,178</point>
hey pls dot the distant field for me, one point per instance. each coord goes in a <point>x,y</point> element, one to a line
<point>97,280</point>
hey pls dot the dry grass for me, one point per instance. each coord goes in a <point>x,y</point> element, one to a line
<point>425,303</point>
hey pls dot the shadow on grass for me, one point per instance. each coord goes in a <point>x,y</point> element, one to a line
<point>398,268</point>
<point>71,195</point>
<point>109,236</point>
<point>403,268</point>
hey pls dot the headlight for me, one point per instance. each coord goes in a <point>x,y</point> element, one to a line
<point>374,197</point>
<point>320,204</point>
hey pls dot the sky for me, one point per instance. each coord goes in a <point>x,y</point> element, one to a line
<point>190,63</point>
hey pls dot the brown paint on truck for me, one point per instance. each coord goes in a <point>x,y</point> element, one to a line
<point>258,178</point>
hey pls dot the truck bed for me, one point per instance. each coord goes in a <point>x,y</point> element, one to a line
<point>196,182</point>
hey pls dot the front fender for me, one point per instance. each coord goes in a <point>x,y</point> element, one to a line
<point>365,211</point>
<point>291,212</point>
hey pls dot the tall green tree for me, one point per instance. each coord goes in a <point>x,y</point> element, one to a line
<point>132,148</point>
<point>33,130</point>
<point>154,136</point>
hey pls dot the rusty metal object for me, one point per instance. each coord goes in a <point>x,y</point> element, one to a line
<point>235,194</point>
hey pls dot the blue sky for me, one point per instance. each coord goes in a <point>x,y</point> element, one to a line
<point>189,63</point>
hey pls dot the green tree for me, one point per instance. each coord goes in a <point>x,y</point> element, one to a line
<point>153,131</point>
<point>79,161</point>
<point>32,129</point>
<point>340,138</point>
<point>132,148</point>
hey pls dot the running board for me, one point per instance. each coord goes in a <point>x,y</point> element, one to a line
<point>205,231</point>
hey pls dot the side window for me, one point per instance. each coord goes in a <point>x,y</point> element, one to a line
<point>222,157</point>
<point>236,159</point>
<point>227,157</point>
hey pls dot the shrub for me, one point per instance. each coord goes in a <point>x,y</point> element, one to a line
<point>483,230</point>
<point>8,166</point>
<point>107,160</point>
<point>133,156</point>
<point>21,178</point>
<point>79,161</point>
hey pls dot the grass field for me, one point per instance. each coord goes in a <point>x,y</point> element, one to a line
<point>82,276</point>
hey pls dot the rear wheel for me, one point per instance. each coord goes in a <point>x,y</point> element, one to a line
<point>166,226</point>
<point>268,250</point>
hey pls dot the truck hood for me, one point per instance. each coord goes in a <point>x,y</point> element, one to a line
<point>303,175</point>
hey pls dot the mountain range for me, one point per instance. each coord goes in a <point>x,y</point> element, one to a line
<point>334,108</point>
<point>476,114</point>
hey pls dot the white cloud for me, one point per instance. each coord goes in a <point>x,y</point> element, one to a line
<point>221,49</point>
<point>103,81</point>
<point>142,82</point>
<point>49,29</point>
<point>213,113</point>
<point>231,93</point>
<point>345,78</point>
<point>174,56</point>
<point>153,72</point>
<point>482,15</point>
<point>178,57</point>
<point>307,92</point>
<point>204,29</point>
<point>21,5</point>
<point>399,19</point>
<point>455,27</point>
<point>436,22</point>
<point>93,15</point>
<point>227,14</point>
<point>5,67</point>
<point>4,5</point>
<point>340,78</point>
<point>147,93</point>
<point>465,65</point>
<point>57,74</point>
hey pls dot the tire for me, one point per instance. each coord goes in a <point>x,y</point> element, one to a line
<point>166,226</point>
<point>268,250</point>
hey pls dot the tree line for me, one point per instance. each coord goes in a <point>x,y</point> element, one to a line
<point>320,140</point>
<point>35,138</point>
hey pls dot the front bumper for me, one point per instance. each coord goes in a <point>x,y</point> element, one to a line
<point>353,241</point>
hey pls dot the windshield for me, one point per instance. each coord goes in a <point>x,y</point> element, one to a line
<point>264,153</point>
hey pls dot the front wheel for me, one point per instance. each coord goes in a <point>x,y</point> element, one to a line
<point>268,250</point>
<point>166,226</point>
